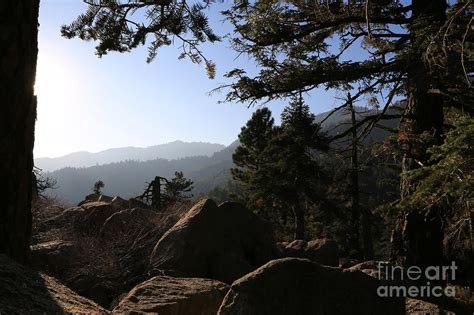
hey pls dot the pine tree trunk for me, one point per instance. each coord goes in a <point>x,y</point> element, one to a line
<point>18,54</point>
<point>424,114</point>
<point>355,211</point>
<point>425,110</point>
<point>299,222</point>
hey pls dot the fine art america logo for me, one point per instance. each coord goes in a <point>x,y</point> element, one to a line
<point>433,275</point>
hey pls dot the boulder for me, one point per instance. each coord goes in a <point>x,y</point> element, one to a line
<point>371,268</point>
<point>89,198</point>
<point>123,223</point>
<point>174,296</point>
<point>95,214</point>
<point>218,242</point>
<point>135,203</point>
<point>119,203</point>
<point>53,257</point>
<point>99,251</point>
<point>300,286</point>
<point>323,251</point>
<point>105,198</point>
<point>23,291</point>
<point>88,219</point>
<point>417,307</point>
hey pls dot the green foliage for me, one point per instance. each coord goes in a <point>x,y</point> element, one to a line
<point>278,166</point>
<point>448,176</point>
<point>97,188</point>
<point>124,25</point>
<point>231,191</point>
<point>177,188</point>
<point>303,45</point>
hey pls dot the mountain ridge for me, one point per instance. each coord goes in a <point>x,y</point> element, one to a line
<point>172,150</point>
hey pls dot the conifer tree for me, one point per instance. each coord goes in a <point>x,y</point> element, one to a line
<point>124,25</point>
<point>97,188</point>
<point>252,160</point>
<point>279,166</point>
<point>408,49</point>
<point>178,187</point>
<point>295,150</point>
<point>419,50</point>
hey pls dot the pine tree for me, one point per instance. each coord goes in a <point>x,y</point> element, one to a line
<point>97,188</point>
<point>295,151</point>
<point>252,160</point>
<point>422,60</point>
<point>278,165</point>
<point>420,50</point>
<point>124,25</point>
<point>173,190</point>
<point>177,188</point>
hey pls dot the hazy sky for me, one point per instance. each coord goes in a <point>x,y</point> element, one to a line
<point>87,103</point>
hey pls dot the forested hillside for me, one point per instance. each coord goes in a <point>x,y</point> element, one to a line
<point>127,178</point>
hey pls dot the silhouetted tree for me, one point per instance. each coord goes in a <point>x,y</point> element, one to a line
<point>124,25</point>
<point>42,183</point>
<point>178,187</point>
<point>18,55</point>
<point>97,188</point>
<point>419,49</point>
<point>252,160</point>
<point>279,166</point>
<point>174,190</point>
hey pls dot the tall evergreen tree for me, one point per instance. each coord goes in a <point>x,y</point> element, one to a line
<point>296,159</point>
<point>420,50</point>
<point>279,166</point>
<point>18,55</point>
<point>252,160</point>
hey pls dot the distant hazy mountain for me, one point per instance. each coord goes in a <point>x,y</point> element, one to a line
<point>128,178</point>
<point>169,151</point>
<point>208,170</point>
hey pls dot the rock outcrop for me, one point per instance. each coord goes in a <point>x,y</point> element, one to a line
<point>99,250</point>
<point>174,296</point>
<point>300,286</point>
<point>23,291</point>
<point>218,242</point>
<point>323,251</point>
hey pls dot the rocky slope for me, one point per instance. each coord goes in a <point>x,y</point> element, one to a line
<point>198,258</point>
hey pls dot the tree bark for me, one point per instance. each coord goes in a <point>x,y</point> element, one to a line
<point>18,55</point>
<point>359,215</point>
<point>355,204</point>
<point>424,114</point>
<point>299,223</point>
<point>424,110</point>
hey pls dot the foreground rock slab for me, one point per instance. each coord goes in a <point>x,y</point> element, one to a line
<point>221,242</point>
<point>23,291</point>
<point>174,296</point>
<point>300,286</point>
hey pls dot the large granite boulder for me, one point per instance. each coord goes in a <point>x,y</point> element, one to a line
<point>323,251</point>
<point>174,296</point>
<point>300,286</point>
<point>23,291</point>
<point>218,242</point>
